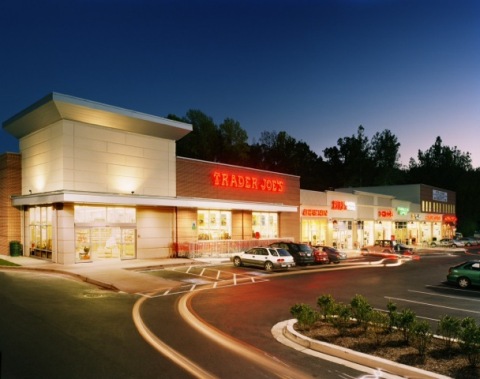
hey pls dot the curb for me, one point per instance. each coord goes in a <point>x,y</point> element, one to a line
<point>285,329</point>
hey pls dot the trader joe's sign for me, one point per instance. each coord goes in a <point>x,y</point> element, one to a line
<point>247,182</point>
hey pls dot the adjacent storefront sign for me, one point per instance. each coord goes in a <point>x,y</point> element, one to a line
<point>385,213</point>
<point>315,212</point>
<point>340,205</point>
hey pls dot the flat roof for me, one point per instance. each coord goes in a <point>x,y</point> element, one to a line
<point>56,106</point>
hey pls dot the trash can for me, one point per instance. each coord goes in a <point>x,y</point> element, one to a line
<point>16,248</point>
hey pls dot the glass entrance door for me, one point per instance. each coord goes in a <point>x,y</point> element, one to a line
<point>97,243</point>
<point>128,246</point>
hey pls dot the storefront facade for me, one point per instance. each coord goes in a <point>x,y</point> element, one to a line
<point>354,217</point>
<point>100,183</point>
<point>94,182</point>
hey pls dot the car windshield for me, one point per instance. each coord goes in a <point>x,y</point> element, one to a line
<point>305,248</point>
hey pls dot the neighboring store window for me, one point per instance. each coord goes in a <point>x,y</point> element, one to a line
<point>41,231</point>
<point>214,225</point>
<point>264,225</point>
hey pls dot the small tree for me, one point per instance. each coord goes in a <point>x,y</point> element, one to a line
<point>342,319</point>
<point>420,336</point>
<point>449,328</point>
<point>392,315</point>
<point>470,341</point>
<point>379,326</point>
<point>326,303</point>
<point>361,310</point>
<point>406,320</point>
<point>305,315</point>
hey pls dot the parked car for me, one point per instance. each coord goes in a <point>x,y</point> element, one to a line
<point>334,255</point>
<point>469,241</point>
<point>320,256</point>
<point>386,247</point>
<point>301,252</point>
<point>447,242</point>
<point>267,257</point>
<point>465,274</point>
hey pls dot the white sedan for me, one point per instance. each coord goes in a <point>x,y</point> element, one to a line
<point>267,257</point>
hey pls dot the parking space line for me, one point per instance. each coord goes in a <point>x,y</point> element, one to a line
<point>431,305</point>
<point>440,295</point>
<point>463,290</point>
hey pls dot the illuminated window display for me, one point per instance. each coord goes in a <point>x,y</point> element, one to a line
<point>41,231</point>
<point>264,225</point>
<point>214,225</point>
<point>104,232</point>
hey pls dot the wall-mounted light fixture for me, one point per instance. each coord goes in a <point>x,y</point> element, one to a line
<point>30,191</point>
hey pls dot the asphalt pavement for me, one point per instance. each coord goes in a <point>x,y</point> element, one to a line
<point>119,275</point>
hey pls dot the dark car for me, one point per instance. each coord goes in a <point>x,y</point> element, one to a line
<point>334,255</point>
<point>301,252</point>
<point>465,274</point>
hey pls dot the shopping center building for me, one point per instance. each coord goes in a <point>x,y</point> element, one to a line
<point>97,182</point>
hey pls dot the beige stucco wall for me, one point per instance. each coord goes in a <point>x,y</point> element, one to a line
<point>155,232</point>
<point>70,155</point>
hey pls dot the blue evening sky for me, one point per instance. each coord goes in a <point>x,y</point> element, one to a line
<point>315,69</point>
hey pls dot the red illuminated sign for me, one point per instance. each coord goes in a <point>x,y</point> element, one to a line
<point>437,218</point>
<point>450,219</point>
<point>315,212</point>
<point>340,205</point>
<point>249,182</point>
<point>386,213</point>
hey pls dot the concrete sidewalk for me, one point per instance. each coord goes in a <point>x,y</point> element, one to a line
<point>125,276</point>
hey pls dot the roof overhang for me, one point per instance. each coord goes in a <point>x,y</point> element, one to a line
<point>141,200</point>
<point>55,107</point>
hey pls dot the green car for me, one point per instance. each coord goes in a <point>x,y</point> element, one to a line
<point>465,274</point>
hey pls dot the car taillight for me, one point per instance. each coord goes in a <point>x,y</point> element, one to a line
<point>280,260</point>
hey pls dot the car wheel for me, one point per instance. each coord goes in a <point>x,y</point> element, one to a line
<point>463,282</point>
<point>268,266</point>
<point>237,262</point>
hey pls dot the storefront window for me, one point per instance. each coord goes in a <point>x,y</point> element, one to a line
<point>41,231</point>
<point>264,225</point>
<point>104,232</point>
<point>85,214</point>
<point>314,231</point>
<point>214,225</point>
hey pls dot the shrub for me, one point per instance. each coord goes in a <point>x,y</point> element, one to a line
<point>449,328</point>
<point>379,326</point>
<point>326,303</point>
<point>405,321</point>
<point>420,336</point>
<point>305,315</point>
<point>470,341</point>
<point>342,319</point>
<point>392,315</point>
<point>361,310</point>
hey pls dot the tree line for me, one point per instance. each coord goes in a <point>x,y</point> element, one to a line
<point>355,161</point>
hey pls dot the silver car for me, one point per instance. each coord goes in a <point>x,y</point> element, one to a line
<point>267,257</point>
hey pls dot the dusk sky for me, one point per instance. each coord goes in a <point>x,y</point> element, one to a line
<point>315,69</point>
